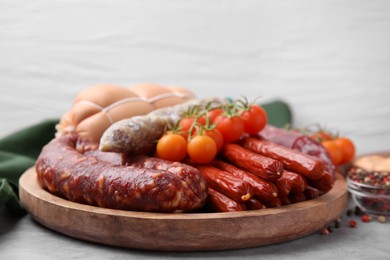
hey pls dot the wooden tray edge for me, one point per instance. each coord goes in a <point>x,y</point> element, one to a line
<point>181,232</point>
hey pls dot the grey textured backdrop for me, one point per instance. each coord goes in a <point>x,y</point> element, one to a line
<point>330,60</point>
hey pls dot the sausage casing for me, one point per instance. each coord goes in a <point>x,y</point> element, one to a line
<point>221,203</point>
<point>298,142</point>
<point>225,183</point>
<point>190,175</point>
<point>292,160</point>
<point>263,190</point>
<point>257,164</point>
<point>254,204</point>
<point>84,179</point>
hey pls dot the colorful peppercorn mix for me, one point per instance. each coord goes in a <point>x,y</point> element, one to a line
<point>372,178</point>
<point>371,190</point>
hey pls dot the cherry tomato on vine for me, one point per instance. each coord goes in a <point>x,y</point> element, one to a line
<point>202,149</point>
<point>255,118</point>
<point>172,147</point>
<point>231,127</point>
<point>347,147</point>
<point>186,123</point>
<point>335,152</point>
<point>212,114</point>
<point>321,136</point>
<point>215,135</point>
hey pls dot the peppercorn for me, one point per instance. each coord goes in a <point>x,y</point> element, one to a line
<point>352,223</point>
<point>325,231</point>
<point>367,179</point>
<point>349,212</point>
<point>358,211</point>
<point>330,229</point>
<point>365,218</point>
<point>337,223</point>
<point>382,219</point>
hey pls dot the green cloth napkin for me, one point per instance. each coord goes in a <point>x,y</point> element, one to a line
<point>19,151</point>
<point>279,113</point>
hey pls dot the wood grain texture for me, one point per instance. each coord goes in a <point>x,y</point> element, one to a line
<point>181,232</point>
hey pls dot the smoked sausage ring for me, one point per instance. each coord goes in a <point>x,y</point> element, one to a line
<point>78,177</point>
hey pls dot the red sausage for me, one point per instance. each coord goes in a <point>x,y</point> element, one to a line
<point>262,189</point>
<point>284,199</point>
<point>311,193</point>
<point>275,202</point>
<point>296,197</point>
<point>220,203</point>
<point>325,183</point>
<point>295,161</point>
<point>257,164</point>
<point>298,142</point>
<point>254,204</point>
<point>84,179</point>
<point>283,185</point>
<point>226,184</point>
<point>297,181</point>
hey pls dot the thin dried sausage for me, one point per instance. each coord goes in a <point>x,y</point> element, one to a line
<point>257,164</point>
<point>298,142</point>
<point>218,202</point>
<point>262,189</point>
<point>225,183</point>
<point>254,204</point>
<point>295,161</point>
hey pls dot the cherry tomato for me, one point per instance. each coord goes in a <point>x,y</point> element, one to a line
<point>231,128</point>
<point>202,149</point>
<point>172,147</point>
<point>335,152</point>
<point>216,136</point>
<point>212,114</point>
<point>255,118</point>
<point>347,147</point>
<point>321,136</point>
<point>187,122</point>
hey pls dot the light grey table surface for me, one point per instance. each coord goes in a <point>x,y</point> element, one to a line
<point>24,238</point>
<point>328,59</point>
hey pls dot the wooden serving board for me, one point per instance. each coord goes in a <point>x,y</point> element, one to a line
<point>181,231</point>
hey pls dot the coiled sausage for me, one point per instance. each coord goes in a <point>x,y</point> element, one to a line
<point>64,171</point>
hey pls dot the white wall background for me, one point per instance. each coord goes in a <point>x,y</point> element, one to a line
<point>330,60</point>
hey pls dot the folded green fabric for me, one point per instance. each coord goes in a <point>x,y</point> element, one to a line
<point>19,151</point>
<point>279,113</point>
